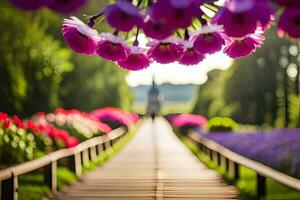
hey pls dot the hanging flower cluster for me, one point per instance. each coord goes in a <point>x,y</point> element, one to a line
<point>63,6</point>
<point>183,31</point>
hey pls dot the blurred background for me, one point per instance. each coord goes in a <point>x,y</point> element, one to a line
<point>39,73</point>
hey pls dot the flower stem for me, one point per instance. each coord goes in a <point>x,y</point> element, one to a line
<point>136,41</point>
<point>93,18</point>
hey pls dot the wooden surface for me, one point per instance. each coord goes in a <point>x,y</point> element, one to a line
<point>154,165</point>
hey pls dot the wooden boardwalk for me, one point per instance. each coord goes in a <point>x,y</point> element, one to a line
<point>154,165</point>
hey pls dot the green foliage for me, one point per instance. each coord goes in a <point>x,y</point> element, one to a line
<point>222,124</point>
<point>95,83</point>
<point>31,64</point>
<point>250,91</point>
<point>16,145</point>
<point>39,74</point>
<point>294,111</point>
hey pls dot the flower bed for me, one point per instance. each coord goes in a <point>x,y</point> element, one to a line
<point>278,149</point>
<point>115,117</point>
<point>23,140</point>
<point>77,123</point>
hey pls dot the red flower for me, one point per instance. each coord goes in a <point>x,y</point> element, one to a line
<point>18,122</point>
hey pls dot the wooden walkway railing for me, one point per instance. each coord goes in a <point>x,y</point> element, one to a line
<point>77,156</point>
<point>231,161</point>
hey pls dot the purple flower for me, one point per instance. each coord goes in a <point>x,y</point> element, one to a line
<point>123,15</point>
<point>135,61</point>
<point>208,39</point>
<point>289,22</point>
<point>190,56</point>
<point>158,30</point>
<point>29,4</point>
<point>178,13</point>
<point>112,47</point>
<point>240,47</point>
<point>165,51</point>
<point>66,6</point>
<point>243,19</point>
<point>79,37</point>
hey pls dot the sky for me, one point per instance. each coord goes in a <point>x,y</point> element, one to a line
<point>179,74</point>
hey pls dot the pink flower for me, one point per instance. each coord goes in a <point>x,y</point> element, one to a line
<point>112,47</point>
<point>165,51</point>
<point>157,29</point>
<point>178,13</point>
<point>115,115</point>
<point>66,6</point>
<point>123,15</point>
<point>208,39</point>
<point>241,47</point>
<point>190,56</point>
<point>289,23</point>
<point>188,120</point>
<point>240,19</point>
<point>29,4</point>
<point>79,37</point>
<point>136,60</point>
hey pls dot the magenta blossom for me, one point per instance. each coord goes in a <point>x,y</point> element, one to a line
<point>178,13</point>
<point>165,51</point>
<point>66,6</point>
<point>242,20</point>
<point>123,15</point>
<point>157,29</point>
<point>136,60</point>
<point>79,37</point>
<point>190,56</point>
<point>30,4</point>
<point>241,47</point>
<point>208,39</point>
<point>112,47</point>
<point>289,22</point>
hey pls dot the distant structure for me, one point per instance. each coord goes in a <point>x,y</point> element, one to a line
<point>154,101</point>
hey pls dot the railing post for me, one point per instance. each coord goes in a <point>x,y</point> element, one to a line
<point>215,156</point>
<point>9,189</point>
<point>74,163</point>
<point>50,175</point>
<point>261,186</point>
<point>93,153</point>
<point>85,157</point>
<point>219,158</point>
<point>234,170</point>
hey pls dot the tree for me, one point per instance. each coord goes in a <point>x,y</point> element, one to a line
<point>32,64</point>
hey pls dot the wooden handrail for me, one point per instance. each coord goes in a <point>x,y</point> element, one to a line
<point>9,176</point>
<point>260,169</point>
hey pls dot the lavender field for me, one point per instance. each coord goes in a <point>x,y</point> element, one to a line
<point>279,149</point>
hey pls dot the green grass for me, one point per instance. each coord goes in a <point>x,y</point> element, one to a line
<point>32,187</point>
<point>247,182</point>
